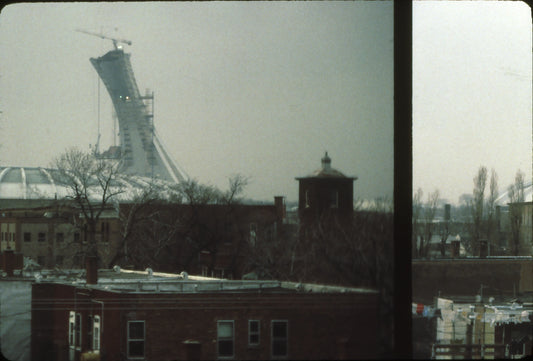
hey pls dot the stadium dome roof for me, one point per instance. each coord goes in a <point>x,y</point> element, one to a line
<point>38,183</point>
<point>503,198</point>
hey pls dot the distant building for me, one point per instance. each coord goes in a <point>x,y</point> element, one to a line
<point>153,316</point>
<point>208,239</point>
<point>325,193</point>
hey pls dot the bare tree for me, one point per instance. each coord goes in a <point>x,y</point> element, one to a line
<point>429,215</point>
<point>476,207</point>
<point>491,207</point>
<point>516,199</point>
<point>417,214</point>
<point>171,232</point>
<point>90,183</point>
<point>423,216</point>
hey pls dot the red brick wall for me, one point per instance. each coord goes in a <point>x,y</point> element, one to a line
<point>320,326</point>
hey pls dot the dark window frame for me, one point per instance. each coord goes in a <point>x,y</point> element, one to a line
<point>278,341</point>
<point>226,340</point>
<point>136,341</point>
<point>254,333</point>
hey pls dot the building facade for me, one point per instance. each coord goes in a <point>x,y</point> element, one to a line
<point>126,316</point>
<point>325,192</point>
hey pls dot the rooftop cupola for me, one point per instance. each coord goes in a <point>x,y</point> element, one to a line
<point>326,162</point>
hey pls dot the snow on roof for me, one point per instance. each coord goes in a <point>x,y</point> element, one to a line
<point>130,281</point>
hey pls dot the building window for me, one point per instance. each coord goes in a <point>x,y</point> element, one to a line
<point>41,260</point>
<point>60,237</point>
<point>96,333</point>
<point>71,327</point>
<point>253,233</point>
<point>136,339</point>
<point>27,237</point>
<point>41,237</point>
<point>76,236</point>
<point>77,330</point>
<point>225,338</point>
<point>279,338</point>
<point>334,199</point>
<point>307,199</point>
<point>104,231</point>
<point>59,260</point>
<point>253,332</point>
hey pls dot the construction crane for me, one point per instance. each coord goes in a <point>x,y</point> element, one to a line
<point>114,40</point>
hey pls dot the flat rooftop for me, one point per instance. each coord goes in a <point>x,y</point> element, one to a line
<point>131,281</point>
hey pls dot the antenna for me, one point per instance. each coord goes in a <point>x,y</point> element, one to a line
<point>114,40</point>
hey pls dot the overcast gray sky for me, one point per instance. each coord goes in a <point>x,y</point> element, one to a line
<point>471,93</point>
<point>256,88</point>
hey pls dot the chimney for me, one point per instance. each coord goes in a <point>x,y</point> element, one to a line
<point>8,260</point>
<point>279,203</point>
<point>91,267</point>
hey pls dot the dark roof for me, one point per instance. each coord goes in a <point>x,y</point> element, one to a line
<point>326,171</point>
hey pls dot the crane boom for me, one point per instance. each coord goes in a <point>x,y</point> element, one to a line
<point>114,40</point>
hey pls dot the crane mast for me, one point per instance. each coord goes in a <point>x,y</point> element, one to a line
<point>102,36</point>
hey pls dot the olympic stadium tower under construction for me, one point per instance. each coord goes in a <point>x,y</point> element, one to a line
<point>141,151</point>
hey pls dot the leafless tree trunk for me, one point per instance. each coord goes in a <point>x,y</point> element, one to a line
<point>476,207</point>
<point>491,207</point>
<point>516,198</point>
<point>430,210</point>
<point>417,214</point>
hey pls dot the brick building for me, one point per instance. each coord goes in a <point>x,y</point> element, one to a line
<point>209,239</point>
<point>52,234</point>
<point>325,192</point>
<point>151,316</point>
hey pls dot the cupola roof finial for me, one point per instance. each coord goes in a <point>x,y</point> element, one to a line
<point>326,161</point>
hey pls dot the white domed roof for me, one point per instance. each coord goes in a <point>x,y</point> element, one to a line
<point>38,183</point>
<point>503,198</point>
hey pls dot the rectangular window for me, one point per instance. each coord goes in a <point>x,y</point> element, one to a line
<point>76,236</point>
<point>104,231</point>
<point>253,332</point>
<point>71,323</point>
<point>27,237</point>
<point>279,338</point>
<point>96,333</point>
<point>136,339</point>
<point>225,339</point>
<point>307,199</point>
<point>77,330</point>
<point>41,237</point>
<point>334,199</point>
<point>59,260</point>
<point>253,233</point>
<point>60,237</point>
<point>41,260</point>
